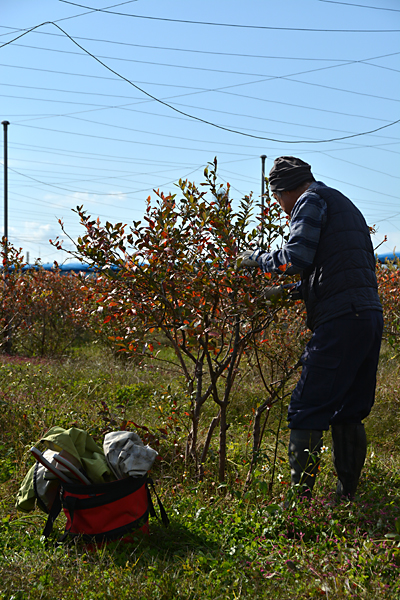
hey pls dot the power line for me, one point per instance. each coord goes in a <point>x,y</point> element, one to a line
<point>90,155</point>
<point>86,75</point>
<point>106,179</point>
<point>286,122</point>
<point>266,119</point>
<point>361,166</point>
<point>198,91</point>
<point>101,137</point>
<point>125,193</point>
<point>53,100</point>
<point>146,189</point>
<point>290,104</point>
<point>388,204</point>
<point>360,5</point>
<point>116,207</point>
<point>328,87</point>
<point>189,50</point>
<point>343,62</point>
<point>236,25</point>
<point>268,77</point>
<point>47,203</point>
<point>97,157</point>
<point>101,168</point>
<point>129,141</point>
<point>391,217</point>
<point>192,116</point>
<point>358,147</point>
<point>169,136</point>
<point>191,67</point>
<point>125,128</point>
<point>63,188</point>
<point>376,205</point>
<point>123,107</point>
<point>380,66</point>
<point>121,176</point>
<point>91,11</point>
<point>46,89</point>
<point>94,193</point>
<point>358,186</point>
<point>113,206</point>
<point>98,193</point>
<point>15,29</point>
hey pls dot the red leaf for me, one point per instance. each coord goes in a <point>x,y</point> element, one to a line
<point>139,426</point>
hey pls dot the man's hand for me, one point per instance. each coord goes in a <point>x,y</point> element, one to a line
<point>275,291</point>
<point>294,291</point>
<point>290,291</point>
<point>247,259</point>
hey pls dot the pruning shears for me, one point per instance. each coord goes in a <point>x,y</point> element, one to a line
<point>57,472</point>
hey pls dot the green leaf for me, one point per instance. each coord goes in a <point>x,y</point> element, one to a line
<point>393,536</point>
<point>273,508</point>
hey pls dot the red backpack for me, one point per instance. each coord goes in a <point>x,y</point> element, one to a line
<point>107,511</point>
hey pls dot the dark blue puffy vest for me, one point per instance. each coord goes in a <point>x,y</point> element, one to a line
<point>342,277</point>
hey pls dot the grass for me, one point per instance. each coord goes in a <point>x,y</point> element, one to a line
<point>222,542</point>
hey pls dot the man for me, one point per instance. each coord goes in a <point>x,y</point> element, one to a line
<point>330,246</point>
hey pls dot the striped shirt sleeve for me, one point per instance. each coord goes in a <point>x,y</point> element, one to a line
<point>307,219</point>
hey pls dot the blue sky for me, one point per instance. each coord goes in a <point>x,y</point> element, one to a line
<point>82,134</point>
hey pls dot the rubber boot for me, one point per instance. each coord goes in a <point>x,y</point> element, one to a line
<point>304,458</point>
<point>349,448</point>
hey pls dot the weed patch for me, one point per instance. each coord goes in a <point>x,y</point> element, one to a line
<point>224,541</point>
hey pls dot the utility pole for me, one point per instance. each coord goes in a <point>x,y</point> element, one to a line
<point>5,125</point>
<point>7,331</point>
<point>263,158</point>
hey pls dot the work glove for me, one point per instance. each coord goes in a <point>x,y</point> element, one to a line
<point>294,291</point>
<point>247,258</point>
<point>276,291</point>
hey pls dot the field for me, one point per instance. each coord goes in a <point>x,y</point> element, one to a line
<point>224,541</point>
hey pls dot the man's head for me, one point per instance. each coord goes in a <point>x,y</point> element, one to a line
<point>288,180</point>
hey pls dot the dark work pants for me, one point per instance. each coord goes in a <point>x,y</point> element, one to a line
<point>337,383</point>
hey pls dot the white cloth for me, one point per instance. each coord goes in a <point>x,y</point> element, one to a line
<point>46,484</point>
<point>126,454</point>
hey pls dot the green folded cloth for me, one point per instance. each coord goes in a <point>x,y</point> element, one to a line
<point>80,448</point>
